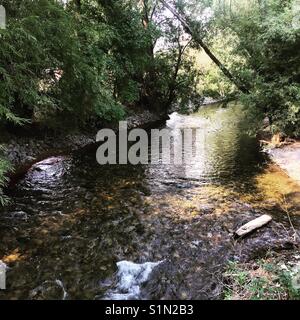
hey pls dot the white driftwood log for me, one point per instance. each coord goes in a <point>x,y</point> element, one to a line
<point>253,224</point>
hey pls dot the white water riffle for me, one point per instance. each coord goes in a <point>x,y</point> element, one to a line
<point>174,119</point>
<point>3,265</point>
<point>3,268</point>
<point>130,277</point>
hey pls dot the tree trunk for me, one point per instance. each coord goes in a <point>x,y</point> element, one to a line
<point>147,79</point>
<point>172,87</point>
<point>241,86</point>
<point>146,19</point>
<point>77,4</point>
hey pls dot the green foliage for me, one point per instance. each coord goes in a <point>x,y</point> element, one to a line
<point>262,280</point>
<point>42,41</point>
<point>176,76</point>
<point>213,83</point>
<point>259,42</point>
<point>269,60</point>
<point>76,65</point>
<point>4,167</point>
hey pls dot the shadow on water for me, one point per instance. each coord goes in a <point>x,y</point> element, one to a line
<point>71,220</point>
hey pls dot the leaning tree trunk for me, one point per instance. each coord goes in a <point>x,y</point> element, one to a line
<point>239,84</point>
<point>78,5</point>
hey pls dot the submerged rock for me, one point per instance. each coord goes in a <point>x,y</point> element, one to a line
<point>49,290</point>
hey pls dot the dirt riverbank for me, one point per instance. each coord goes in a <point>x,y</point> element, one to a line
<point>24,150</point>
<point>288,159</point>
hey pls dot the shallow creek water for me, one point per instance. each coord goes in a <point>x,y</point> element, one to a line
<point>78,230</point>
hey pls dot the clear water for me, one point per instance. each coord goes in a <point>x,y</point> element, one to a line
<point>72,221</point>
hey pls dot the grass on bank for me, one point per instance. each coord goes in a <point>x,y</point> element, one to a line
<point>265,279</point>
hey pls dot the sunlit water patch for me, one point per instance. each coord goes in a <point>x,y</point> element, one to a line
<point>220,150</point>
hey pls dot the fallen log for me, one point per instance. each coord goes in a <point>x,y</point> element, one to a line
<point>253,225</point>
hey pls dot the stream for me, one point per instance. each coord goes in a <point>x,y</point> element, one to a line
<point>79,230</point>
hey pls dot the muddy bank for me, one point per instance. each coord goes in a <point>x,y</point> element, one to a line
<point>23,151</point>
<point>288,159</point>
<point>282,150</point>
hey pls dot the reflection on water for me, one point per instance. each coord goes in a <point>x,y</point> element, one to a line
<point>219,150</point>
<point>72,220</point>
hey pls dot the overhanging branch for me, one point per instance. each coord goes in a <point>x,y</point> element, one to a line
<point>234,79</point>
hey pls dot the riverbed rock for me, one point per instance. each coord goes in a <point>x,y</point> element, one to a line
<point>49,290</point>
